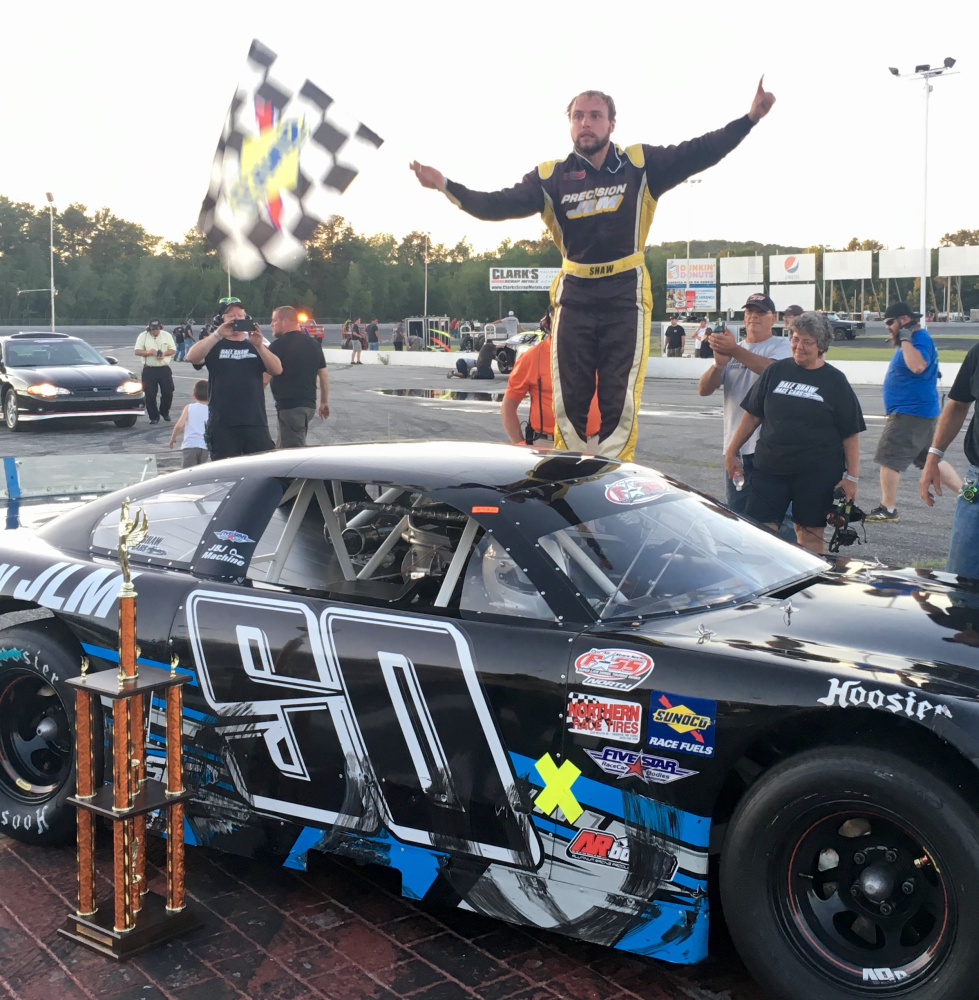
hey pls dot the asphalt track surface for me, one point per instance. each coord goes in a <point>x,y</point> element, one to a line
<point>679,433</point>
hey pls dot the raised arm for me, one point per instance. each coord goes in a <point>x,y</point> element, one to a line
<point>524,199</point>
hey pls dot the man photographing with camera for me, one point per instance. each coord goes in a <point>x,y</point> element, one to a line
<point>236,358</point>
<point>156,347</point>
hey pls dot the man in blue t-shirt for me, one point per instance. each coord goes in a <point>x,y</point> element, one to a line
<point>911,402</point>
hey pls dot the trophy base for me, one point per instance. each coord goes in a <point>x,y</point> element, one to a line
<point>154,926</point>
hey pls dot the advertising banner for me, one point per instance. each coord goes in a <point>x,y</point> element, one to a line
<point>848,266</point>
<point>522,279</point>
<point>900,263</point>
<point>792,295</point>
<point>956,261</point>
<point>742,270</point>
<point>698,300</point>
<point>735,296</point>
<point>701,272</point>
<point>792,267</point>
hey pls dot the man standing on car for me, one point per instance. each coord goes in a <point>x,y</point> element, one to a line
<point>676,339</point>
<point>294,391</point>
<point>236,358</point>
<point>963,543</point>
<point>156,347</point>
<point>598,203</point>
<point>911,403</point>
<point>736,367</point>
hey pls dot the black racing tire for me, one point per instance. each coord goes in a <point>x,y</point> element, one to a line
<point>129,421</point>
<point>839,333</point>
<point>505,359</point>
<point>817,849</point>
<point>37,735</point>
<point>466,343</point>
<point>10,415</point>
<point>851,335</point>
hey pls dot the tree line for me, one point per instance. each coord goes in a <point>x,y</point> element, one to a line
<point>111,271</point>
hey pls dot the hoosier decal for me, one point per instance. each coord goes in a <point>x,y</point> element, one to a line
<point>681,723</point>
<point>592,715</point>
<point>617,669</point>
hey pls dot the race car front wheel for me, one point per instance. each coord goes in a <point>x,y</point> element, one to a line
<point>850,872</point>
<point>37,736</point>
<point>505,358</point>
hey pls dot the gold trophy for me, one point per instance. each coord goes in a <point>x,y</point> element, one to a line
<point>137,920</point>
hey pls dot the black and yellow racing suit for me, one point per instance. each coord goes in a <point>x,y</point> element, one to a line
<point>599,220</point>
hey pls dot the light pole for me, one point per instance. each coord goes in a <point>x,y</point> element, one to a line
<point>925,72</point>
<point>50,198</point>
<point>425,302</point>
<point>689,180</point>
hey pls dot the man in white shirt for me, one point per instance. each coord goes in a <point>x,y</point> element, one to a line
<point>156,347</point>
<point>736,367</point>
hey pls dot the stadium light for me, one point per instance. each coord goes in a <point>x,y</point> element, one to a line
<point>925,72</point>
<point>50,198</point>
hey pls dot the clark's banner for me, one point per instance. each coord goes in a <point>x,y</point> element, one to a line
<point>698,276</point>
<point>522,279</point>
<point>285,155</point>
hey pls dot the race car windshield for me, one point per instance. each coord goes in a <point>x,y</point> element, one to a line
<point>657,550</point>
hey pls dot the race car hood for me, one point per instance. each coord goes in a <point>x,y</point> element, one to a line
<point>900,621</point>
<point>76,376</point>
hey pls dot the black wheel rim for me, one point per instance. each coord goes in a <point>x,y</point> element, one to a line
<point>863,900</point>
<point>35,737</point>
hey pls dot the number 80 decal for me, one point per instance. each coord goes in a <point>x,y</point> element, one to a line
<point>359,719</point>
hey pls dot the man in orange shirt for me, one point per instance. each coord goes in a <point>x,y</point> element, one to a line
<point>531,376</point>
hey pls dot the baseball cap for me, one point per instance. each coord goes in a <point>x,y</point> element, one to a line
<point>896,309</point>
<point>156,325</point>
<point>793,311</point>
<point>510,313</point>
<point>760,301</point>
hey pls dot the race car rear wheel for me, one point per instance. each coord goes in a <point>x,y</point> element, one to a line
<point>37,736</point>
<point>850,873</point>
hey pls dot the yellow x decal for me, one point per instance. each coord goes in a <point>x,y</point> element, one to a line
<point>557,788</point>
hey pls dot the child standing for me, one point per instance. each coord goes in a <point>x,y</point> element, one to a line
<point>192,422</point>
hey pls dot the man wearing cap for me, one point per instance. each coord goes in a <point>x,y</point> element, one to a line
<point>736,367</point>
<point>511,324</point>
<point>598,204</point>
<point>911,403</point>
<point>963,543</point>
<point>156,347</point>
<point>788,316</point>
<point>235,361</point>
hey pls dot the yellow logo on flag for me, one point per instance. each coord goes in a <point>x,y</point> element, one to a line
<point>269,164</point>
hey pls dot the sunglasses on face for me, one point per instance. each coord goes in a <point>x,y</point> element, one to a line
<point>891,322</point>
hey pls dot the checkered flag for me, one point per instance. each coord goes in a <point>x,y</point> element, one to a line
<point>282,160</point>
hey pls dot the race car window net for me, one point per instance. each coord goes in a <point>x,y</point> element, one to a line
<point>672,551</point>
<point>364,541</point>
<point>177,518</point>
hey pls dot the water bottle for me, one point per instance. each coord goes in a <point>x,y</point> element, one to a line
<point>738,481</point>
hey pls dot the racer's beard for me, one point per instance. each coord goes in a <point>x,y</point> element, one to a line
<point>589,147</point>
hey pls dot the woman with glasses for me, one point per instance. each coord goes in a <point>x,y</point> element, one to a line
<point>809,445</point>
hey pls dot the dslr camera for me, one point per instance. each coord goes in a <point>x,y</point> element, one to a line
<point>839,517</point>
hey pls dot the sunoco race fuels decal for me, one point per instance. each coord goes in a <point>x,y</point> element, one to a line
<point>593,715</point>
<point>632,764</point>
<point>681,723</point>
<point>617,669</point>
<point>635,490</point>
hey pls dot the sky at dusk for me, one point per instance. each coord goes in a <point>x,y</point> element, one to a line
<point>121,104</point>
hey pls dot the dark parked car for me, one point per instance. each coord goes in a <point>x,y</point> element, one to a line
<point>843,329</point>
<point>48,376</point>
<point>553,689</point>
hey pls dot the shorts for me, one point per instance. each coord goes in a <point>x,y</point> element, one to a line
<point>674,352</point>
<point>810,493</point>
<point>906,439</point>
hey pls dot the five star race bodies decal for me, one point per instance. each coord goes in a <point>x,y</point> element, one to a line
<point>632,764</point>
<point>592,715</point>
<point>616,669</point>
<point>681,723</point>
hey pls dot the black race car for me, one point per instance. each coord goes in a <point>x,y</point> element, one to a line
<point>548,688</point>
<point>49,376</point>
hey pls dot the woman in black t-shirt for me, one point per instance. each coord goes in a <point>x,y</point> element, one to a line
<point>809,444</point>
